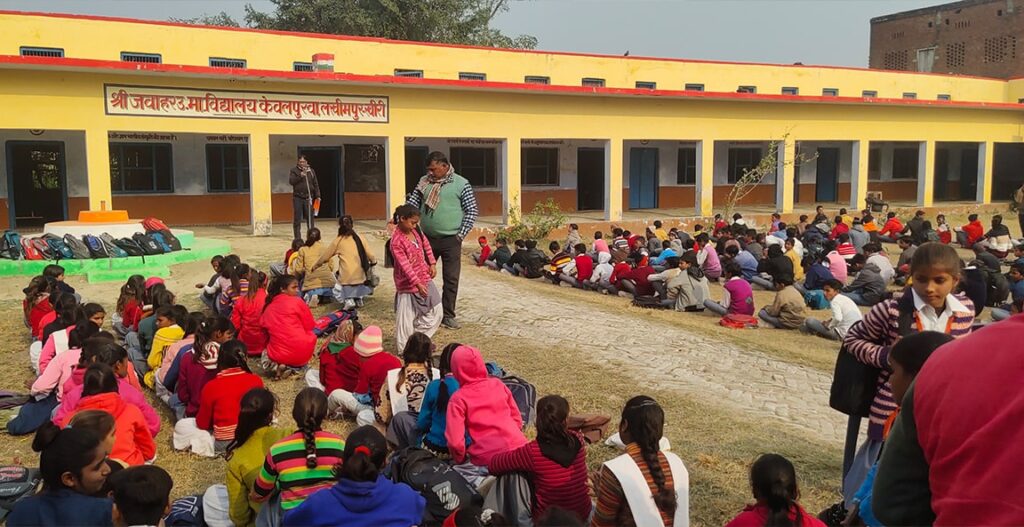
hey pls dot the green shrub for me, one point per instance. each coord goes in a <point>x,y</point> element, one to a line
<point>545,217</point>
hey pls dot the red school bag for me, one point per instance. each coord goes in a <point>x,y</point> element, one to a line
<point>737,321</point>
<point>30,250</point>
<point>152,224</point>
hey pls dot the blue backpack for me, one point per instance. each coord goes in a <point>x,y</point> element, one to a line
<point>161,240</point>
<point>815,299</point>
<point>10,246</point>
<point>96,247</point>
<point>57,246</point>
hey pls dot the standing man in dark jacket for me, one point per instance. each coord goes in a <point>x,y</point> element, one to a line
<point>305,190</point>
<point>448,211</point>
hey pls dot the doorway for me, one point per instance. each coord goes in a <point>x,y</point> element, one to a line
<point>36,183</point>
<point>826,183</point>
<point>590,174</point>
<point>969,174</point>
<point>643,178</point>
<point>940,188</point>
<point>326,163</point>
<point>415,166</point>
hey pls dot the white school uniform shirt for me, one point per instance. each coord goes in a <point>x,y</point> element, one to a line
<point>844,314</point>
<point>932,321</point>
<point>798,246</point>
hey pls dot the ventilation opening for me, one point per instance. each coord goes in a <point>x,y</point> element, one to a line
<point>646,85</point>
<point>42,52</point>
<point>593,82</point>
<point>909,95</point>
<point>955,54</point>
<point>895,60</point>
<point>218,62</point>
<point>694,87</point>
<point>1000,49</point>
<point>302,66</point>
<point>869,94</point>
<point>830,92</point>
<point>537,79</point>
<point>943,97</point>
<point>409,73</point>
<point>790,90</point>
<point>147,58</point>
<point>746,89</point>
<point>466,76</point>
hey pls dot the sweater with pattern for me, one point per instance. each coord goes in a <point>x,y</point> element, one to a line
<point>554,485</point>
<point>285,468</point>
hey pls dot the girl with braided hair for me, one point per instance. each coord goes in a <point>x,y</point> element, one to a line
<point>302,463</point>
<point>645,486</point>
<point>401,396</point>
<point>773,481</point>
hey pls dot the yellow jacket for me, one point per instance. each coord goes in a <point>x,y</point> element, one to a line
<point>161,341</point>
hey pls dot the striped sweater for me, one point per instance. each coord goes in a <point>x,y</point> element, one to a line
<point>285,468</point>
<point>612,509</point>
<point>554,485</point>
<point>871,339</point>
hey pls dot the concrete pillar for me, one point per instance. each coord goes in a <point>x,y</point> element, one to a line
<point>785,175</point>
<point>705,177</point>
<point>985,153</point>
<point>260,186</point>
<point>512,182</point>
<point>859,174</point>
<point>97,166</point>
<point>926,173</point>
<point>613,179</point>
<point>394,182</point>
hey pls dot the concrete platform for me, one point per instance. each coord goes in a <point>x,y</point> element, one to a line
<point>117,229</point>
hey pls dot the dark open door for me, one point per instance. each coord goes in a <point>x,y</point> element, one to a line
<point>826,183</point>
<point>969,174</point>
<point>36,183</point>
<point>643,178</point>
<point>415,166</point>
<point>326,162</point>
<point>590,178</point>
<point>941,182</point>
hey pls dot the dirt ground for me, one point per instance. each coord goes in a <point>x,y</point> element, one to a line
<point>729,395</point>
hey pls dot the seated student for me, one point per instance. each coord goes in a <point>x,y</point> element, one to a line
<point>210,290</point>
<point>101,423</point>
<point>316,281</point>
<point>246,313</point>
<point>142,495</point>
<point>36,304</point>
<point>64,315</point>
<point>169,322</point>
<point>600,246</point>
<point>676,241</point>
<point>401,396</point>
<point>641,251</point>
<point>572,237</point>
<point>218,403</point>
<point>787,310</point>
<point>972,233</point>
<point>164,375</point>
<point>659,231</point>
<point>844,314</point>
<point>997,240</point>
<point>858,236</point>
<point>776,264</point>
<point>905,360</point>
<point>289,326</point>
<point>559,260</point>
<point>870,226</point>
<point>373,372</point>
<point>795,258</point>
<point>580,269</point>
<point>868,287</point>
<point>483,409</point>
<point>339,362</point>
<point>753,242</point>
<point>128,309</point>
<point>840,228</point>
<point>987,259</point>
<point>300,464</point>
<point>836,263</point>
<point>747,261</point>
<point>817,274</point>
<point>500,257</point>
<point>133,444</point>
<point>619,241</point>
<point>844,247</point>
<point>282,267</point>
<point>600,278</point>
<point>874,254</point>
<point>906,244</point>
<point>434,408</point>
<point>555,462</point>
<point>737,295</point>
<point>658,262</point>
<point>688,289</point>
<point>55,275</point>
<point>943,229</point>
<point>891,231</point>
<point>927,234</point>
<point>362,493</point>
<point>845,217</point>
<point>915,226</point>
<point>480,257</point>
<point>802,224</point>
<point>773,482</point>
<point>101,349</point>
<point>72,467</point>
<point>660,279</point>
<point>1016,278</point>
<point>1018,254</point>
<point>59,370</point>
<point>974,284</point>
<point>534,261</point>
<point>661,485</point>
<point>140,343</point>
<point>517,260</point>
<point>620,269</point>
<point>198,366</point>
<point>636,281</point>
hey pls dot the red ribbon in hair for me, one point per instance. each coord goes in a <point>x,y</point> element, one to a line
<point>363,449</point>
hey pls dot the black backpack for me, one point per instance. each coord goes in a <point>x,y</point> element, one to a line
<point>997,287</point>
<point>130,246</point>
<point>149,245</point>
<point>16,482</point>
<point>171,240</point>
<point>111,247</point>
<point>854,384</point>
<point>10,246</point>
<point>444,489</point>
<point>78,248</point>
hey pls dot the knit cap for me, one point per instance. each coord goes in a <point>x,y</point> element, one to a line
<point>152,281</point>
<point>369,342</point>
<point>209,357</point>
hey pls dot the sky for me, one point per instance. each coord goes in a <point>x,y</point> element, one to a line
<point>829,32</point>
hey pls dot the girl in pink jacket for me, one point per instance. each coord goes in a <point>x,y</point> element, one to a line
<point>482,407</point>
<point>289,324</point>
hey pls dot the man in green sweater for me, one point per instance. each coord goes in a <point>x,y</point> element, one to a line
<point>448,211</point>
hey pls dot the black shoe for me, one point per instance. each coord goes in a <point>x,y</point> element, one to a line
<point>450,323</point>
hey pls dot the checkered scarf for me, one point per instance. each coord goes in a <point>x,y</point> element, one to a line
<point>431,189</point>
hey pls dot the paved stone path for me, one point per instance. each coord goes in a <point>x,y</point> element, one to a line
<point>660,355</point>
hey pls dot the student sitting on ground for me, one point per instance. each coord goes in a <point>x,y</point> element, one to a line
<point>708,258</point>
<point>844,247</point>
<point>667,252</point>
<point>52,380</point>
<point>362,493</point>
<point>600,246</point>
<point>891,231</point>
<point>480,257</point>
<point>776,495</point>
<point>316,281</point>
<point>836,263</point>
<point>560,258</point>
<point>645,475</point>
<point>641,252</point>
<point>199,366</point>
<point>600,279</point>
<point>128,310</point>
<point>167,373</point>
<point>209,291</point>
<point>301,464</point>
<point>839,229</point>
<point>943,229</point>
<point>817,274</point>
<point>747,262</point>
<point>572,237</point>
<point>1016,278</point>
<point>517,260</point>
<point>133,444</point>
<point>535,261</point>
<point>401,395</point>
<point>237,287</point>
<point>247,312</point>
<point>339,361</point>
<point>169,322</point>
<point>737,295</point>
<point>906,244</point>
<point>619,241</point>
<point>555,462</point>
<point>787,310</point>
<point>868,287</point>
<point>142,495</point>
<point>282,267</point>
<point>688,289</point>
<point>373,372</point>
<point>580,269</point>
<point>795,258</point>
<point>483,409</point>
<point>434,407</point>
<point>636,281</point>
<point>71,465</point>
<point>874,254</point>
<point>500,257</point>
<point>776,264</point>
<point>844,314</point>
<point>972,233</point>
<point>289,326</point>
<point>997,240</point>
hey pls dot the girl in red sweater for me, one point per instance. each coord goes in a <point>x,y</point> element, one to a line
<point>247,311</point>
<point>773,480</point>
<point>221,399</point>
<point>289,325</point>
<point>556,462</point>
<point>129,305</point>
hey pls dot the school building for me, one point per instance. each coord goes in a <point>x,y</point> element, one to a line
<point>200,125</point>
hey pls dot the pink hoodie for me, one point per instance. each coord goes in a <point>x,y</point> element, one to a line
<point>484,407</point>
<point>130,394</point>
<point>57,373</point>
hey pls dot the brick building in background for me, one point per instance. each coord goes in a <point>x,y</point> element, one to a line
<point>971,37</point>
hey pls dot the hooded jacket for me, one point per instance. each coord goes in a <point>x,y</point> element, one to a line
<point>484,408</point>
<point>246,319</point>
<point>289,324</point>
<point>130,394</point>
<point>604,268</point>
<point>380,503</point>
<point>133,443</point>
<point>869,280</point>
<point>859,237</point>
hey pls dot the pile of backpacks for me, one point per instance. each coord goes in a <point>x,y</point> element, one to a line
<point>157,239</point>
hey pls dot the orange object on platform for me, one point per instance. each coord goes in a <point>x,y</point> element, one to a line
<point>102,216</point>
